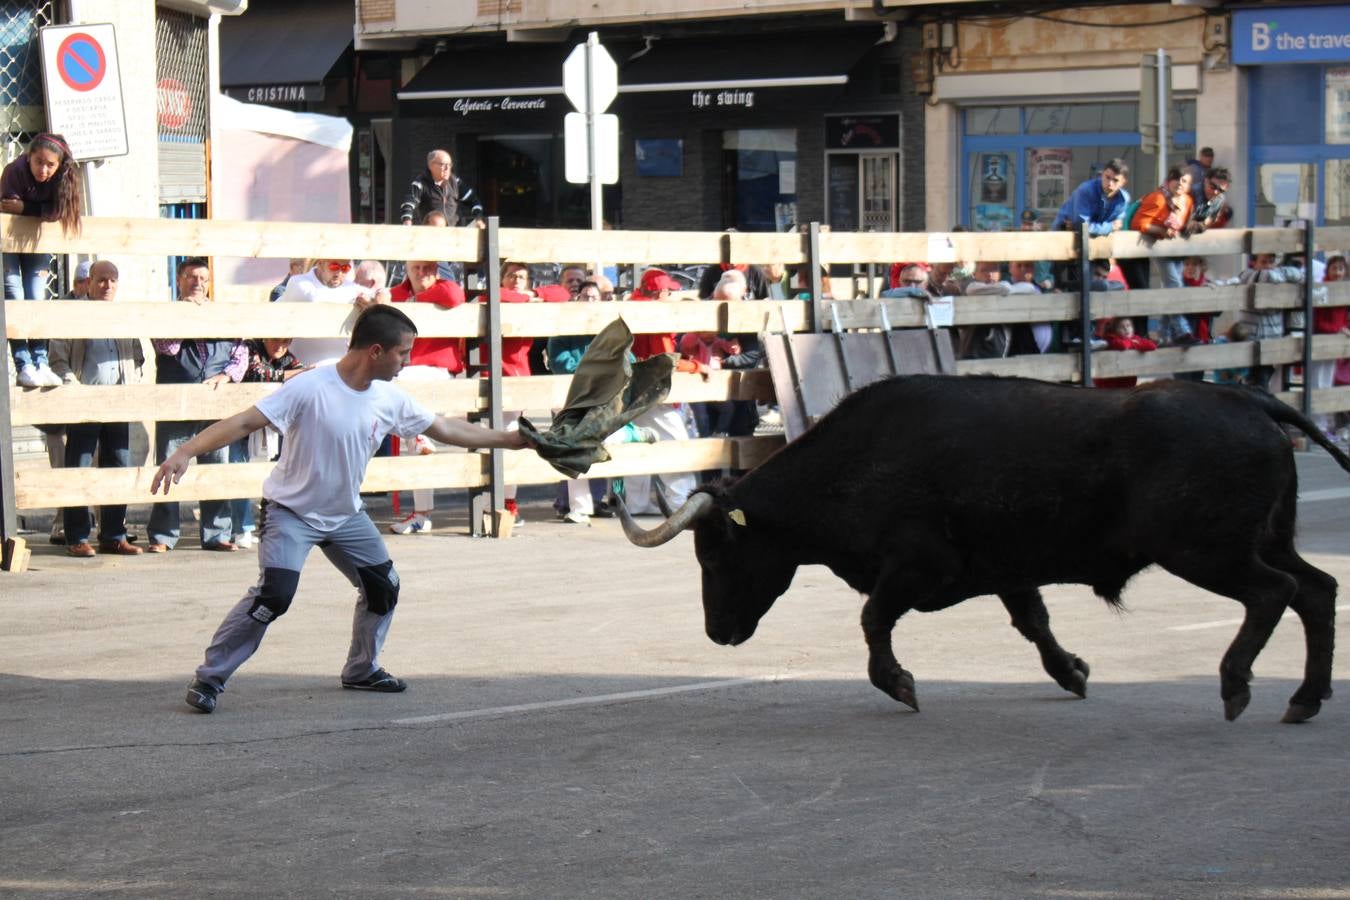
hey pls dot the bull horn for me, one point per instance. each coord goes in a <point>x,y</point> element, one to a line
<point>681,519</point>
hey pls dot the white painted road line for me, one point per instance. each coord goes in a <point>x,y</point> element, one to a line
<point>595,700</point>
<point>1200,626</point>
<point>1328,494</point>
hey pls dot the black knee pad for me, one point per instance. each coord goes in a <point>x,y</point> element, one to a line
<point>274,594</point>
<point>380,585</point>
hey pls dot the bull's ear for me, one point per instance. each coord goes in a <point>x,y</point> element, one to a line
<point>737,516</point>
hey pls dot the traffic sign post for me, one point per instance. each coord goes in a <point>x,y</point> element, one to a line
<point>84,89</point>
<point>591,82</point>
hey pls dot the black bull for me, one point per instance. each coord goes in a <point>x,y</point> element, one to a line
<point>921,492</point>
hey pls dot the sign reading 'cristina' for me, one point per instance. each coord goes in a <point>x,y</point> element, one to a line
<point>1284,34</point>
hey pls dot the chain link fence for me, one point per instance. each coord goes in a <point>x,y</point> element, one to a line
<point>21,108</point>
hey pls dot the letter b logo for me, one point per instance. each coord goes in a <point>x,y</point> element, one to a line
<point>1260,36</point>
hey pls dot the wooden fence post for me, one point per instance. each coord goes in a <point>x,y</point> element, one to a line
<point>817,283</point>
<point>9,516</point>
<point>1085,304</point>
<point>1308,246</point>
<point>497,459</point>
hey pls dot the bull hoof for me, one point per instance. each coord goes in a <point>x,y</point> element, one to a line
<point>1076,682</point>
<point>1077,685</point>
<point>1298,712</point>
<point>1234,705</point>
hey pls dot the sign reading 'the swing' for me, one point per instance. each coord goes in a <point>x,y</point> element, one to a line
<point>84,89</point>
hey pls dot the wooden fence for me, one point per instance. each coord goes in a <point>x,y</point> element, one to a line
<point>39,487</point>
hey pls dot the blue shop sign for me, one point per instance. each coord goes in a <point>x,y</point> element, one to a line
<point>1301,34</point>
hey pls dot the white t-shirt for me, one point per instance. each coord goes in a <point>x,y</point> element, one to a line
<point>306,288</point>
<point>331,432</point>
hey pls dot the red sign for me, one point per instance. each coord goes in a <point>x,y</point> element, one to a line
<point>81,62</point>
<point>174,104</point>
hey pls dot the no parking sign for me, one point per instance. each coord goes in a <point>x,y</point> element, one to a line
<point>84,89</point>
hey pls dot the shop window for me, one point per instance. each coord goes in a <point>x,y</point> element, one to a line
<point>1338,192</point>
<point>761,179</point>
<point>1280,98</point>
<point>1338,106</point>
<point>1285,192</point>
<point>993,120</point>
<point>844,214</point>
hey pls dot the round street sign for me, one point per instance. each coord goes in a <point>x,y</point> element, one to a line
<point>606,75</point>
<point>80,62</point>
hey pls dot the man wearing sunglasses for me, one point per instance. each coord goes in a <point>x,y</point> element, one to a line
<point>330,281</point>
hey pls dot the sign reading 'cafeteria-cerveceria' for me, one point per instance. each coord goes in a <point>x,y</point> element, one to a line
<point>466,106</point>
<point>1291,34</point>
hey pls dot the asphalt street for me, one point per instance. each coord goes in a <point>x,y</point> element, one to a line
<point>570,732</point>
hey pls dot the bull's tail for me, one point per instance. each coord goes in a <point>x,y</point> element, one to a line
<point>1286,415</point>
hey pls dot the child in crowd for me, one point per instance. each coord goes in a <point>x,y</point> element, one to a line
<point>1238,332</point>
<point>1119,335</point>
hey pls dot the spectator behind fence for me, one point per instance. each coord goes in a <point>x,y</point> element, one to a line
<point>756,284</point>
<point>297,266</point>
<point>515,284</point>
<point>1099,202</point>
<point>1265,324</point>
<point>433,359</point>
<point>45,183</point>
<point>667,420</point>
<point>1044,270</point>
<point>1119,335</point>
<point>101,361</point>
<point>1237,333</point>
<point>1199,167</point>
<point>439,190</point>
<point>1329,320</point>
<point>910,281</point>
<point>213,361</point>
<point>270,361</point>
<point>1212,210</point>
<point>327,282</point>
<point>1162,215</point>
<point>54,435</point>
<point>579,501</point>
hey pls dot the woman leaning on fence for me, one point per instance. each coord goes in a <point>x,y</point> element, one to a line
<point>44,182</point>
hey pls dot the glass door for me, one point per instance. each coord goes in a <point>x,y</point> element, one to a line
<point>878,192</point>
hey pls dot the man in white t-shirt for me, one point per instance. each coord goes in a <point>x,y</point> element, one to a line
<point>333,418</point>
<point>330,281</point>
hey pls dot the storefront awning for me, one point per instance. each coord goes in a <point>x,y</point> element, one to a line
<point>746,63</point>
<point>278,44</point>
<point>676,65</point>
<point>515,70</point>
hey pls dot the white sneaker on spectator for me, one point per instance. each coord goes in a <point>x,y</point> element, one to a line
<point>28,377</point>
<point>577,518</point>
<point>413,523</point>
<point>424,446</point>
<point>47,378</point>
<point>244,540</point>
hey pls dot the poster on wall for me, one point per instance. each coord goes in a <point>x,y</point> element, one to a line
<point>993,178</point>
<point>993,217</point>
<point>1338,106</point>
<point>1049,179</point>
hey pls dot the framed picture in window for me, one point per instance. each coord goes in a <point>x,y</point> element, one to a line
<point>659,157</point>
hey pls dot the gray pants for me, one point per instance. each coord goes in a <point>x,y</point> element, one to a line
<point>284,542</point>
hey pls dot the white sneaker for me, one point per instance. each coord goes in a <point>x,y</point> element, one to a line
<point>47,378</point>
<point>577,518</point>
<point>28,377</point>
<point>423,445</point>
<point>244,540</point>
<point>414,523</point>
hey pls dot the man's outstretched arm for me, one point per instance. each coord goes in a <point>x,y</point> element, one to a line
<point>226,431</point>
<point>462,434</point>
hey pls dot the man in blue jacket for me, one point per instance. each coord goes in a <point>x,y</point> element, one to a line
<point>1100,202</point>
